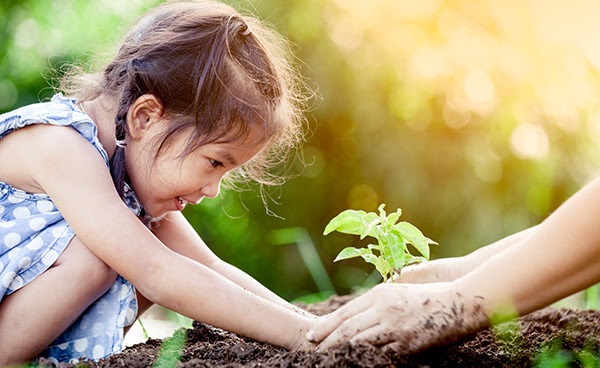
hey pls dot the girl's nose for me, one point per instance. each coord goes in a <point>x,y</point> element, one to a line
<point>211,190</point>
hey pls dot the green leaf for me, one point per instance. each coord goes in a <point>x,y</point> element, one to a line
<point>415,237</point>
<point>410,259</point>
<point>392,239</point>
<point>376,246</point>
<point>348,222</point>
<point>382,213</point>
<point>380,264</point>
<point>351,252</point>
<point>369,223</point>
<point>370,258</point>
<point>383,267</point>
<point>393,217</point>
<point>429,241</point>
<point>396,249</point>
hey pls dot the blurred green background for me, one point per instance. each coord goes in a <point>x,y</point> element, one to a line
<point>477,118</point>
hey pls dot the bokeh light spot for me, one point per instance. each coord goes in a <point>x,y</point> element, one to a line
<point>27,33</point>
<point>8,94</point>
<point>363,197</point>
<point>529,141</point>
<point>313,162</point>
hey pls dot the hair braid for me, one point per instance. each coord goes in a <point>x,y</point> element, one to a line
<point>130,91</point>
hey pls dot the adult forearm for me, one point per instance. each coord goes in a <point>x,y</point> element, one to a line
<point>477,257</point>
<point>559,257</point>
<point>449,269</point>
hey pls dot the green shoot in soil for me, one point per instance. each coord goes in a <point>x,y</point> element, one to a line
<point>143,329</point>
<point>553,355</point>
<point>171,350</point>
<point>392,239</point>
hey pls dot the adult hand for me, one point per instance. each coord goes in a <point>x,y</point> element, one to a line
<point>405,318</point>
<point>439,270</point>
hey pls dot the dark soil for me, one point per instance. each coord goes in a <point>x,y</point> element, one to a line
<point>546,338</point>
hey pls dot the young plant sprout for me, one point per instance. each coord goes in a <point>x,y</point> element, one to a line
<point>392,239</point>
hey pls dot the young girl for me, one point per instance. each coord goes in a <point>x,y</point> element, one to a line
<point>91,187</point>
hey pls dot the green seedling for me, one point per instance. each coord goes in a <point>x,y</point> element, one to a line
<point>171,350</point>
<point>392,239</point>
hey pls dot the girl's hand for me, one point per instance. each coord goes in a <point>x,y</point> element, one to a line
<point>301,343</point>
<point>406,318</point>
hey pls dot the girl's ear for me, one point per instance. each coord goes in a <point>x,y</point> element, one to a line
<point>145,110</point>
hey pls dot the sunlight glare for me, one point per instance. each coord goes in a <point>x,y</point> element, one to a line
<point>529,141</point>
<point>479,87</point>
<point>428,62</point>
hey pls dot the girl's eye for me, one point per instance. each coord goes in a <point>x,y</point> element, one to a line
<point>216,164</point>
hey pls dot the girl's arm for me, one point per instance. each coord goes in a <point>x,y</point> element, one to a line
<point>557,258</point>
<point>449,269</point>
<point>72,173</point>
<point>177,234</point>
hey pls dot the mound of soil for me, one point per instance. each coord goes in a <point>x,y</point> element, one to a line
<point>544,338</point>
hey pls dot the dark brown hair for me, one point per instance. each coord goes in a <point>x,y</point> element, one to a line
<point>217,73</point>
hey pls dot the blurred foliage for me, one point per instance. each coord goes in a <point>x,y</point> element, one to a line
<point>476,118</point>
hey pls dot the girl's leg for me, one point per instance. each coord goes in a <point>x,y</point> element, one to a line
<point>35,315</point>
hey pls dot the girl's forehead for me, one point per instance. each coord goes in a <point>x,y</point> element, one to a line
<point>229,150</point>
<point>226,144</point>
<point>242,139</point>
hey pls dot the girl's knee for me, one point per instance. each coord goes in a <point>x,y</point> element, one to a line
<point>97,273</point>
<point>85,268</point>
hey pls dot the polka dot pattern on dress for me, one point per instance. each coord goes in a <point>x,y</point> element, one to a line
<point>12,239</point>
<point>35,244</point>
<point>8,278</point>
<point>37,223</point>
<point>6,224</point>
<point>15,199</point>
<point>49,258</point>
<point>44,206</point>
<point>21,212</point>
<point>81,344</point>
<point>98,352</point>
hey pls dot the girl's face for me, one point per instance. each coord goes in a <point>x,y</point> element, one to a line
<point>169,182</point>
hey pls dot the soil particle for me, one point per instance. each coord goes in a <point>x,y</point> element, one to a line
<point>512,344</point>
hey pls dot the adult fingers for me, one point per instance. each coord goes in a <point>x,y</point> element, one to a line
<point>332,321</point>
<point>395,346</point>
<point>402,337</point>
<point>405,347</point>
<point>348,329</point>
<point>376,334</point>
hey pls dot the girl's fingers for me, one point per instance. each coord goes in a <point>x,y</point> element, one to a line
<point>332,321</point>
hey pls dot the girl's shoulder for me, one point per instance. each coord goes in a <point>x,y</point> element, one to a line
<point>59,111</point>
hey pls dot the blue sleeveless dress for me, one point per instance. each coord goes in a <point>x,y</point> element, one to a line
<point>33,234</point>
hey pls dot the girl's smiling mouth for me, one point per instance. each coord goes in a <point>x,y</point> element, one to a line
<point>180,203</point>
